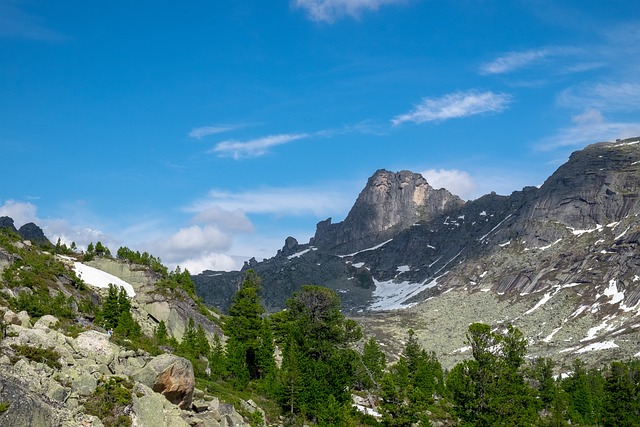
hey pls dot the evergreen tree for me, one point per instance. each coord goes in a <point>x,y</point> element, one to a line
<point>217,359</point>
<point>111,308</point>
<point>491,390</point>
<point>161,333</point>
<point>250,345</point>
<point>622,395</point>
<point>584,391</point>
<point>189,344</point>
<point>317,361</point>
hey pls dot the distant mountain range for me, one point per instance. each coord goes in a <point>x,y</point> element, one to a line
<point>561,261</point>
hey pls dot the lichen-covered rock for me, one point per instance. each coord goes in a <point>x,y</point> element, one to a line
<point>46,322</point>
<point>170,375</point>
<point>152,410</point>
<point>26,408</point>
<point>96,345</point>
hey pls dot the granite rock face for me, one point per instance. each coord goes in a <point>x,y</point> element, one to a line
<point>389,203</point>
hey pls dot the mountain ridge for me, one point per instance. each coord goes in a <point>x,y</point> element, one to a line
<point>571,244</point>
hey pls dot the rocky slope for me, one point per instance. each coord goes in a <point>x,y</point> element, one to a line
<point>561,261</point>
<point>59,371</point>
<point>162,388</point>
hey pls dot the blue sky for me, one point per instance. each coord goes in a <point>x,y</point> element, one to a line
<point>208,132</point>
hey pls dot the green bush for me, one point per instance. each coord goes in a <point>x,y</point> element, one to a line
<point>109,401</point>
<point>41,355</point>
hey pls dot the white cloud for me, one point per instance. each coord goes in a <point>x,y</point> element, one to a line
<point>255,147</point>
<point>456,181</point>
<point>192,241</point>
<point>209,261</point>
<point>589,127</point>
<point>234,220</point>
<point>331,10</point>
<point>455,105</point>
<point>201,132</point>
<point>20,212</point>
<point>513,61</point>
<point>278,201</point>
<point>621,96</point>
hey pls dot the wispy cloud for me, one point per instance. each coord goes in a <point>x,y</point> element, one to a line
<point>201,132</point>
<point>622,96</point>
<point>331,10</point>
<point>291,201</point>
<point>255,147</point>
<point>235,220</point>
<point>514,60</point>
<point>455,105</point>
<point>15,22</point>
<point>588,127</point>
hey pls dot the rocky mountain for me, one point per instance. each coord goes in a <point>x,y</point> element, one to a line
<point>560,261</point>
<point>29,231</point>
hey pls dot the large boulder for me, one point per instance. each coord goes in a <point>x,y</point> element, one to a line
<point>152,410</point>
<point>170,375</point>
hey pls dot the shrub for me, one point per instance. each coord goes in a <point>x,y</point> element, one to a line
<point>109,402</point>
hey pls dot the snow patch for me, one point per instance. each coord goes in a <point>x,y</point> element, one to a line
<point>390,295</point>
<point>493,229</point>
<point>502,245</point>
<point>366,250</point>
<point>581,232</point>
<point>100,279</point>
<point>403,268</point>
<point>619,236</point>
<point>612,292</point>
<point>605,345</point>
<point>299,254</point>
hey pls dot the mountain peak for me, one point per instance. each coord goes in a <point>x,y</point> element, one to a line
<point>390,202</point>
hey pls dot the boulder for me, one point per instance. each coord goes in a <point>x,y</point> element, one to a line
<point>95,345</point>
<point>152,410</point>
<point>170,375</point>
<point>11,318</point>
<point>46,322</point>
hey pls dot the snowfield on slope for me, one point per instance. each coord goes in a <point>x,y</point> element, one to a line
<point>100,279</point>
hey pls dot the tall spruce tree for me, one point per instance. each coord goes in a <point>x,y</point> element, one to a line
<point>250,345</point>
<point>317,361</point>
<point>490,390</point>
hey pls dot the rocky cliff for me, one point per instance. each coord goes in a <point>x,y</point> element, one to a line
<point>389,203</point>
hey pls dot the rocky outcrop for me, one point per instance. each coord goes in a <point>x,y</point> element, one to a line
<point>389,203</point>
<point>32,232</point>
<point>39,395</point>
<point>7,222</point>
<point>170,375</point>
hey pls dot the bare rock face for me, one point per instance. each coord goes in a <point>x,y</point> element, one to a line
<point>389,203</point>
<point>172,376</point>
<point>31,231</point>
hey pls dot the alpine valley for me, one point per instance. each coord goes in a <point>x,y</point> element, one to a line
<point>561,262</point>
<point>421,310</point>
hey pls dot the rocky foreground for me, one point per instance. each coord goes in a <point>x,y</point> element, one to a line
<point>44,392</point>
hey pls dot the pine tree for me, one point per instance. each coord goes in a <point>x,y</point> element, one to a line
<point>250,345</point>
<point>161,332</point>
<point>111,308</point>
